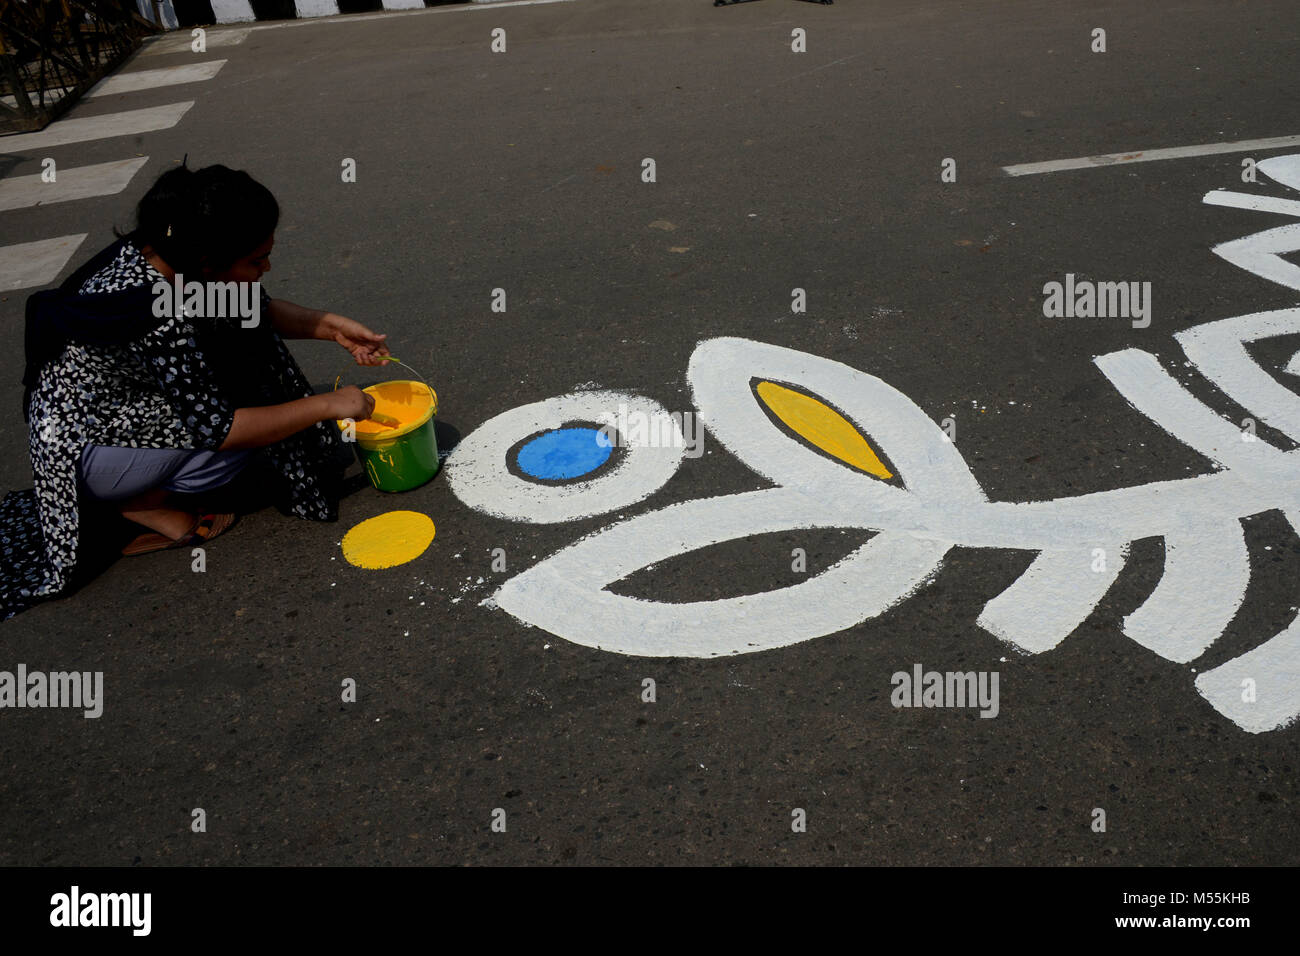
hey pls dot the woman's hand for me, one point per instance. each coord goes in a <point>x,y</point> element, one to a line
<point>366,347</point>
<point>351,402</point>
<point>296,322</point>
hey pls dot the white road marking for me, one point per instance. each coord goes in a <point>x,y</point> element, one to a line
<point>1150,155</point>
<point>182,41</point>
<point>1207,568</point>
<point>1218,350</point>
<point>1283,169</point>
<point>566,594</point>
<point>1272,670</point>
<point>1262,254</point>
<point>1226,197</point>
<point>50,98</point>
<point>1082,541</point>
<point>30,264</point>
<point>77,182</point>
<point>62,132</point>
<point>1214,566</point>
<point>1162,398</point>
<point>1056,593</point>
<point>477,474</point>
<point>151,79</point>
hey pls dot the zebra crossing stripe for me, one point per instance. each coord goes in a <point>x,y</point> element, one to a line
<point>31,264</point>
<point>129,123</point>
<point>78,182</point>
<point>49,97</point>
<point>182,42</point>
<point>151,79</point>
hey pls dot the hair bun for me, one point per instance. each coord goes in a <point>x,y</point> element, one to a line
<point>212,216</point>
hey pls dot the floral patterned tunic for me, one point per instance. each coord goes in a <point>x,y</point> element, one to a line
<point>175,387</point>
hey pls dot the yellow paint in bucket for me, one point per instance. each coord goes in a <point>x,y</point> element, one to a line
<point>410,404</point>
<point>388,540</point>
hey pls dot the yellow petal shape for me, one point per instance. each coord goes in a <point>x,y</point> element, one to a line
<point>388,540</point>
<point>822,426</point>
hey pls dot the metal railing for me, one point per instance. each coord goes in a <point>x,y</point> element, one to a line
<point>52,51</point>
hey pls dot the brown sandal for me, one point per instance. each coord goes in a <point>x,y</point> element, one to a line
<point>204,529</point>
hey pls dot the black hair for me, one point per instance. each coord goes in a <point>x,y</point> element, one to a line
<point>210,217</point>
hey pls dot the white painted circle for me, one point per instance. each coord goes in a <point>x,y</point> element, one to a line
<point>477,469</point>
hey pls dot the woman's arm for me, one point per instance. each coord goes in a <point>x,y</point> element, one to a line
<point>257,427</point>
<point>298,322</point>
<point>293,321</point>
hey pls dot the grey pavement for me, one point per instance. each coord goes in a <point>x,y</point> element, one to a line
<point>775,170</point>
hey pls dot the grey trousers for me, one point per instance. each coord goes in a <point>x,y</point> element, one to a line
<point>111,473</point>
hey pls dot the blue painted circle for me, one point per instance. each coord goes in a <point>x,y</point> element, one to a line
<point>564,453</point>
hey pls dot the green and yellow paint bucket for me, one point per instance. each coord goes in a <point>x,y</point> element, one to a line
<point>398,446</point>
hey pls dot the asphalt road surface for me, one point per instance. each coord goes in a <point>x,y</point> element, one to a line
<point>774,170</point>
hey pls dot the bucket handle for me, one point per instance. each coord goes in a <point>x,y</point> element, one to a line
<point>389,358</point>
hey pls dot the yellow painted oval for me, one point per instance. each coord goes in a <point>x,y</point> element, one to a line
<point>388,540</point>
<point>823,427</point>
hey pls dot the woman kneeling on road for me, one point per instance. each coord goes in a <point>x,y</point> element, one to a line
<point>129,401</point>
